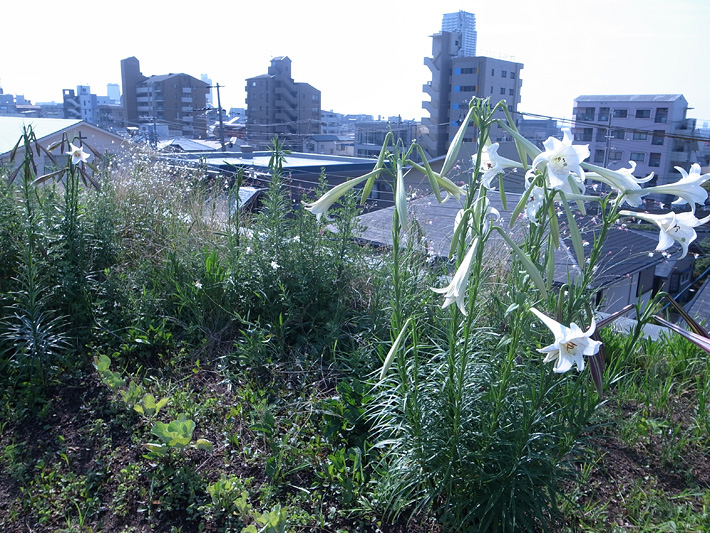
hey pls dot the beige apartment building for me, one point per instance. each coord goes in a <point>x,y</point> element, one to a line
<point>455,81</point>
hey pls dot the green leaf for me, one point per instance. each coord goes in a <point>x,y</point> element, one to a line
<point>453,152</point>
<point>521,203</point>
<point>574,231</point>
<point>393,350</point>
<point>204,444</point>
<point>531,269</point>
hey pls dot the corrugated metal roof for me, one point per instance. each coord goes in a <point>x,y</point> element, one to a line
<point>11,129</point>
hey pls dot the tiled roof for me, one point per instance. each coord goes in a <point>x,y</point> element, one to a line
<point>699,307</point>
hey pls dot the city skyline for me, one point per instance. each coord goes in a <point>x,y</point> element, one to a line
<point>370,60</point>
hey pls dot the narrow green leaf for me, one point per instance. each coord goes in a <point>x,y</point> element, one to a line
<point>430,174</point>
<point>501,188</point>
<point>393,350</point>
<point>57,173</point>
<point>523,145</point>
<point>574,231</point>
<point>521,203</point>
<point>453,152</point>
<point>554,225</point>
<point>550,265</point>
<point>527,262</point>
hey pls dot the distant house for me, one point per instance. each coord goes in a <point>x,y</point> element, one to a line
<point>51,130</point>
<point>328,144</point>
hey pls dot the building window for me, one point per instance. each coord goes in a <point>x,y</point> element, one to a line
<point>615,155</point>
<point>470,70</point>
<point>491,89</point>
<point>637,156</point>
<point>662,115</point>
<point>493,72</point>
<point>466,88</point>
<point>603,113</point>
<point>502,90</point>
<point>643,113</point>
<point>512,75</point>
<point>657,138</point>
<point>617,134</point>
<point>510,107</point>
<point>585,113</point>
<point>598,156</point>
<point>585,135</point>
<point>511,92</point>
<point>640,136</point>
<point>504,74</point>
<point>601,135</point>
<point>621,113</point>
<point>654,160</point>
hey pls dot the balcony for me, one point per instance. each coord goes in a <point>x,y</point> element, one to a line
<point>428,106</point>
<point>430,90</point>
<point>186,99</point>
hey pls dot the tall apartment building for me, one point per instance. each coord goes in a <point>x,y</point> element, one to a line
<point>465,24</point>
<point>174,100</point>
<point>276,105</point>
<point>455,80</point>
<point>651,130</point>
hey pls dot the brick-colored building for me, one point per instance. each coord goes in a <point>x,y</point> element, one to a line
<point>175,100</point>
<point>276,105</point>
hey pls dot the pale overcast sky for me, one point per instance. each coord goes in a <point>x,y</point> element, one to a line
<point>365,56</point>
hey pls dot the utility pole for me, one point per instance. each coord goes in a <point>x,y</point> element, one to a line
<point>219,113</point>
<point>608,139</point>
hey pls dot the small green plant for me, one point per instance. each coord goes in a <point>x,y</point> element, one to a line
<point>176,435</point>
<point>273,521</point>
<point>111,379</point>
<point>149,406</point>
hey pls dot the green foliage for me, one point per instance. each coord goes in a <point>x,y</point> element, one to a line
<point>176,435</point>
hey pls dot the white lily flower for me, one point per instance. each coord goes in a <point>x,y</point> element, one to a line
<point>77,154</point>
<point>570,346</point>
<point>689,188</point>
<point>675,227</point>
<point>537,197</point>
<point>493,164</point>
<point>622,181</point>
<point>321,206</point>
<point>562,159</point>
<point>456,290</point>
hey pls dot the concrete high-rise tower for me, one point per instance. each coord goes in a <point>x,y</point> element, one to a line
<point>465,24</point>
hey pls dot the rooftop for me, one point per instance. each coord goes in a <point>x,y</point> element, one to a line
<point>628,98</point>
<point>11,129</point>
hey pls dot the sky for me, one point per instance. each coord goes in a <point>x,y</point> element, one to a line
<point>365,56</point>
